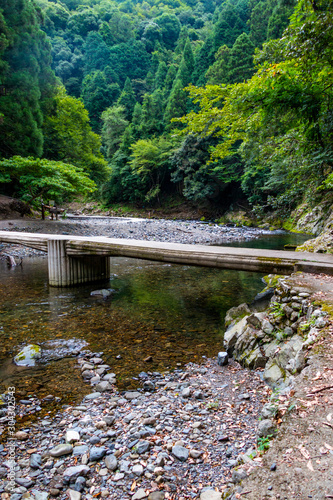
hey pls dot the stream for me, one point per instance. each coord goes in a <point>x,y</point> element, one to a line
<point>169,314</point>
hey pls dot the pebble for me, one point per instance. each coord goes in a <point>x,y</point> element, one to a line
<point>60,450</point>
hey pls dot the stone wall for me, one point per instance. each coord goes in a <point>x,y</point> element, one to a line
<point>277,338</point>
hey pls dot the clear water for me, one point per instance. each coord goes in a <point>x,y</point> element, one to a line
<point>171,313</point>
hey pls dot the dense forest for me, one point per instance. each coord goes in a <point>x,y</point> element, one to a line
<point>211,101</point>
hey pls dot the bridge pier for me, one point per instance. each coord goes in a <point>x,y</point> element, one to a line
<point>65,270</point>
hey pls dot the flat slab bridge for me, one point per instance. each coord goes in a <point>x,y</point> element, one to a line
<point>74,260</point>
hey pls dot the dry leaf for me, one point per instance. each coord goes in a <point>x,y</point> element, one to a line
<point>309,466</point>
<point>317,377</point>
<point>329,447</point>
<point>323,451</point>
<point>329,417</point>
<point>133,486</point>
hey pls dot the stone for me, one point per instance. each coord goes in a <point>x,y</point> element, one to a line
<point>105,293</point>
<point>267,327</point>
<point>60,450</point>
<point>195,453</point>
<point>73,494</point>
<point>210,494</point>
<point>80,450</point>
<point>272,374</point>
<point>156,495</point>
<point>268,411</point>
<point>72,436</point>
<point>21,435</point>
<point>231,335</point>
<point>103,386</point>
<point>222,358</point>
<point>288,331</point>
<point>40,495</point>
<point>235,313</point>
<point>180,453</point>
<point>186,392</point>
<point>300,361</point>
<point>141,493</point>
<point>93,395</point>
<point>119,476</point>
<point>132,395</point>
<point>28,355</point>
<point>97,453</point>
<point>142,447</point>
<point>72,473</point>
<point>25,482</point>
<point>35,461</point>
<point>238,475</point>
<point>137,470</point>
<point>266,428</point>
<point>254,320</point>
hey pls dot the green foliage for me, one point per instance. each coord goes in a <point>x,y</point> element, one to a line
<point>264,443</point>
<point>114,125</point>
<point>32,178</point>
<point>69,138</point>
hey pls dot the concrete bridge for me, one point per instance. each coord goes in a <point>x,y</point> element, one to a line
<point>74,260</point>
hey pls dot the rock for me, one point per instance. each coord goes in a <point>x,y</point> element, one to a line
<point>299,361</point>
<point>105,293</point>
<point>238,475</point>
<point>139,494</point>
<point>80,450</point>
<point>93,395</point>
<point>35,461</point>
<point>40,495</point>
<point>142,447</point>
<point>273,467</point>
<point>97,453</point>
<point>72,436</point>
<point>267,327</point>
<point>73,494</point>
<point>21,435</point>
<point>236,313</point>
<point>156,495</point>
<point>232,334</point>
<point>28,355</point>
<point>272,374</point>
<point>210,494</point>
<point>195,453</point>
<point>25,482</point>
<point>254,320</point>
<point>186,393</point>
<point>111,462</point>
<point>180,453</point>
<point>268,411</point>
<point>132,395</point>
<point>60,450</point>
<point>222,358</point>
<point>72,473</point>
<point>137,470</point>
<point>103,386</point>
<point>266,428</point>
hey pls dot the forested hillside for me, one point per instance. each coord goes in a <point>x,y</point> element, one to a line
<point>253,90</point>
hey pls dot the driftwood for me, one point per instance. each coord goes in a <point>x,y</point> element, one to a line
<point>53,209</point>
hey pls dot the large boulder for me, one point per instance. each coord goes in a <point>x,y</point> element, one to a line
<point>236,313</point>
<point>28,355</point>
<point>232,333</point>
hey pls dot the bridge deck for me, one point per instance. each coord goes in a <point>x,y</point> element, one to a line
<point>266,261</point>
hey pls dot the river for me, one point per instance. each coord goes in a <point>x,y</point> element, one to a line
<point>170,314</point>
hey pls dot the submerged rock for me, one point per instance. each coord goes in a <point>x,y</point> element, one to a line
<point>28,355</point>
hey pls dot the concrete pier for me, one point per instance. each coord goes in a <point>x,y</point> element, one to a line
<point>76,259</point>
<point>65,270</point>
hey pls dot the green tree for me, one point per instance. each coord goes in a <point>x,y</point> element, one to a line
<point>26,75</point>
<point>98,94</point>
<point>69,138</point>
<point>32,178</point>
<point>114,125</point>
<point>127,99</point>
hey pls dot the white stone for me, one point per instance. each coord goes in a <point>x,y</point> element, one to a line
<point>72,436</point>
<point>140,494</point>
<point>210,495</point>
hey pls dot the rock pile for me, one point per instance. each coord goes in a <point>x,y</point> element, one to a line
<point>276,339</point>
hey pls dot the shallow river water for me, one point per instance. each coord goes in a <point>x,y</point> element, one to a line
<point>172,314</point>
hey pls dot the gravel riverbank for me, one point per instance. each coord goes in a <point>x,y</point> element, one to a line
<point>190,232</point>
